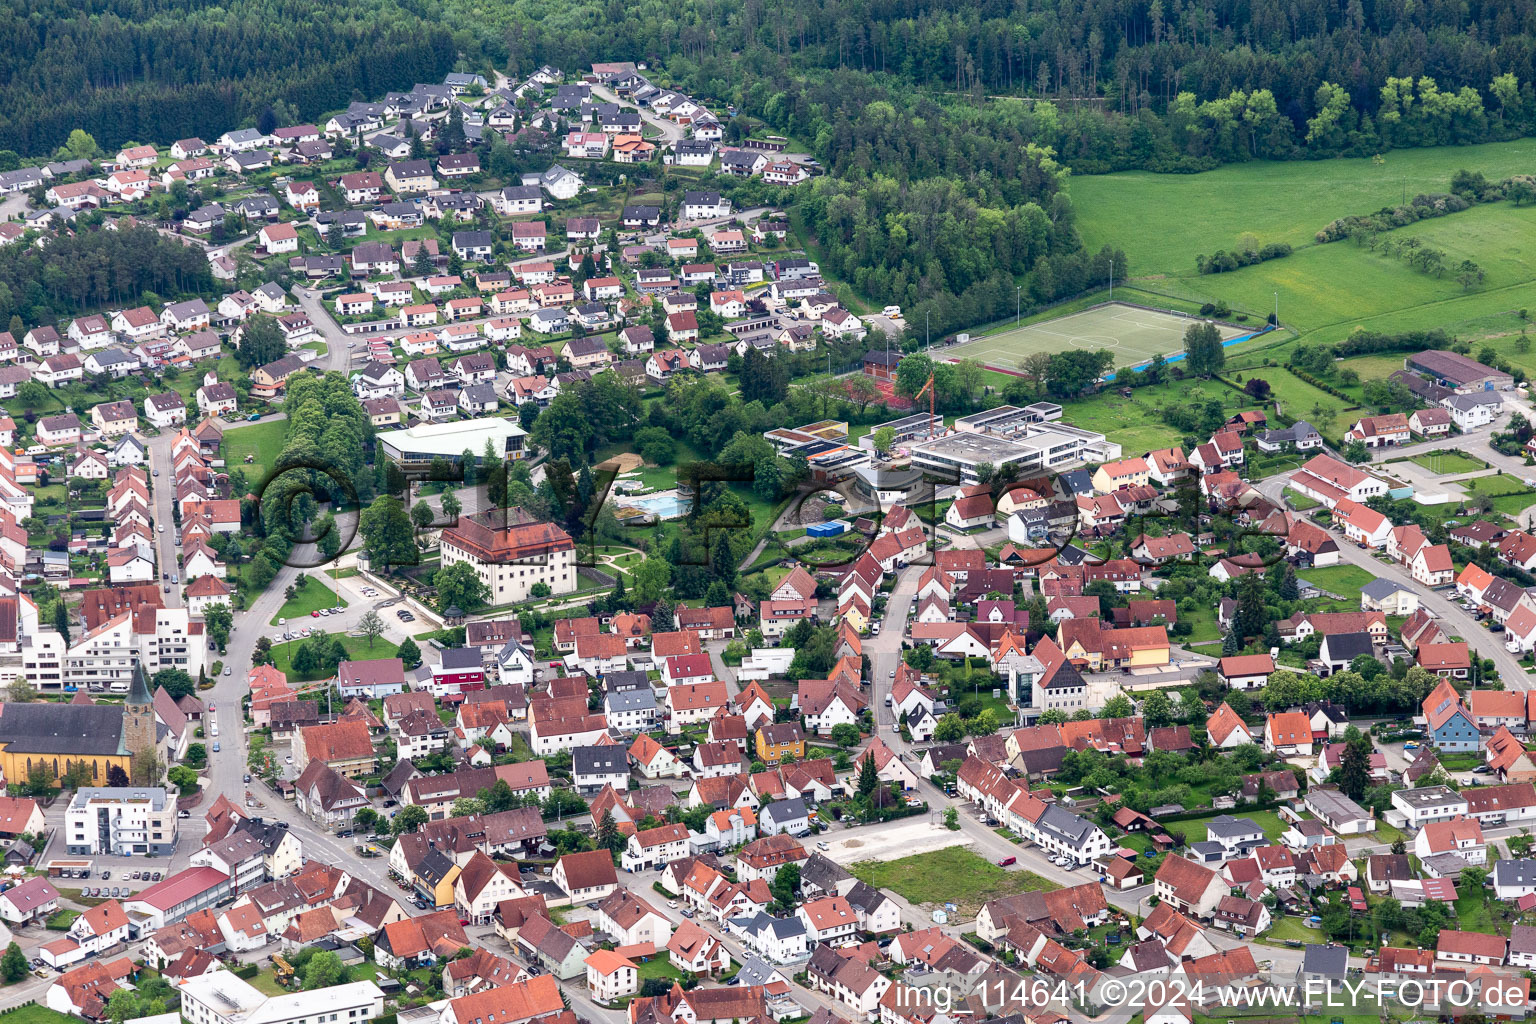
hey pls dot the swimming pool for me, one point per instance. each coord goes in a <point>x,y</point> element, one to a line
<point>666,505</point>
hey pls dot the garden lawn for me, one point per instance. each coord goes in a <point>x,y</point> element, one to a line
<point>659,966</point>
<point>1472,914</point>
<point>1447,462</point>
<point>1388,833</point>
<point>1291,928</point>
<point>1300,502</point>
<point>262,440</point>
<point>32,1013</point>
<point>314,596</point>
<point>1202,624</point>
<point>1337,579</point>
<point>1193,829</point>
<point>953,874</point>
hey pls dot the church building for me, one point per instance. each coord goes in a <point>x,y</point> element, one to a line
<point>59,736</point>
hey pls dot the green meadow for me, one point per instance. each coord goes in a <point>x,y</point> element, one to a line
<point>1325,291</point>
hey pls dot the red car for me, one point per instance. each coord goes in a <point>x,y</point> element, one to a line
<point>1007,862</point>
<point>315,614</point>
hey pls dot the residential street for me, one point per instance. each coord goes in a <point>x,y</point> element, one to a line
<point>884,652</point>
<point>1441,603</point>
<point>671,133</point>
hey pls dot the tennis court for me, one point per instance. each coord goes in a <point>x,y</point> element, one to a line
<point>1134,334</point>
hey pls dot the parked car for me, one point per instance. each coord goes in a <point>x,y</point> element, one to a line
<point>1007,862</point>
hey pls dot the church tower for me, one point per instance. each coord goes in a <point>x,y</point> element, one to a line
<point>138,714</point>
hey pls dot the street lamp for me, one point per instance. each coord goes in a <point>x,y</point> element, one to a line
<point>1018,303</point>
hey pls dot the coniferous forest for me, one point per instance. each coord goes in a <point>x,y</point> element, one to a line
<point>1163,84</point>
<point>161,70</point>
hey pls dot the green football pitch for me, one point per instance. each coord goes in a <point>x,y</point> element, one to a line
<point>1134,334</point>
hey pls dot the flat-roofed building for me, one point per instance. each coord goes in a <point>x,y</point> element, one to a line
<point>417,446</point>
<point>120,822</point>
<point>1039,447</point>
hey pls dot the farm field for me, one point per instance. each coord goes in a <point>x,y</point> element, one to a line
<point>1149,215</point>
<point>1324,291</point>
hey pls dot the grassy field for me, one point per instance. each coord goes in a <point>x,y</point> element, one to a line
<point>1134,335</point>
<point>35,1014</point>
<point>1149,215</point>
<point>1447,462</point>
<point>1300,400</point>
<point>357,649</point>
<point>1495,485</point>
<point>313,597</point>
<point>953,874</point>
<point>1337,579</point>
<point>1323,291</point>
<point>1300,502</point>
<point>1135,422</point>
<point>263,441</point>
<point>1326,291</point>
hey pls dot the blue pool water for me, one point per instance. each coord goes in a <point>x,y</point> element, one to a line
<point>667,506</point>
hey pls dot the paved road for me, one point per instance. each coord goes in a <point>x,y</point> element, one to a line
<point>884,653</point>
<point>670,133</point>
<point>14,207</point>
<point>336,351</point>
<point>163,495</point>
